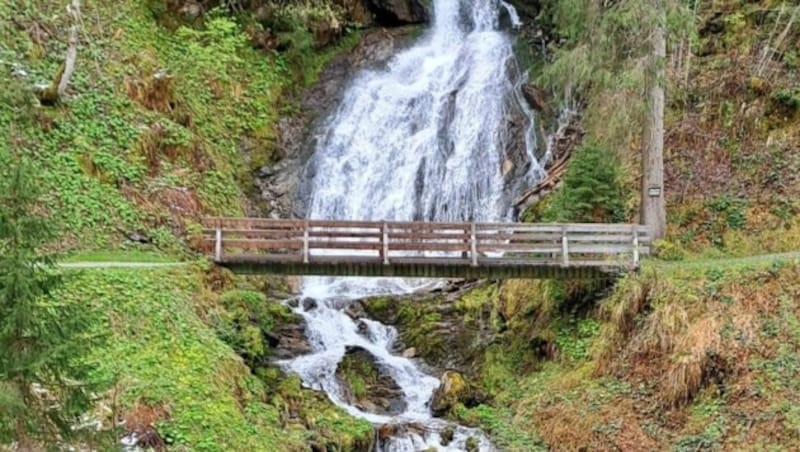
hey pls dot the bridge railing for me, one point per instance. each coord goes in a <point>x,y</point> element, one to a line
<point>475,244</point>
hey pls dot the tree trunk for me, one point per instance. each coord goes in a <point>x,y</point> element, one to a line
<point>51,94</point>
<point>653,206</point>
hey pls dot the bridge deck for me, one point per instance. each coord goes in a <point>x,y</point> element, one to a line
<point>419,249</point>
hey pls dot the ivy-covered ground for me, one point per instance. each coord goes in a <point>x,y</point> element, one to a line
<point>164,119</point>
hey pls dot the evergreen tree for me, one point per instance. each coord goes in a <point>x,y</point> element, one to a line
<point>591,191</point>
<point>41,339</point>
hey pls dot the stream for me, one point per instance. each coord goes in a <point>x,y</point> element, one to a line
<point>424,138</point>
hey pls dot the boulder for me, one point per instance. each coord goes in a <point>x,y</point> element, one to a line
<point>389,431</point>
<point>363,329</point>
<point>454,389</point>
<point>367,385</point>
<point>355,310</point>
<point>309,304</point>
<point>399,12</point>
<point>446,436</point>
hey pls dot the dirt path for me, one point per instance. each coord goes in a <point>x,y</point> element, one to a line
<point>143,265</point>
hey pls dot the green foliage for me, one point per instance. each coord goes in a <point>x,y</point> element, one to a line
<point>42,338</point>
<point>161,353</point>
<point>788,101</point>
<point>215,48</point>
<point>591,190</point>
<point>243,318</point>
<point>603,61</point>
<point>574,338</point>
<point>358,374</point>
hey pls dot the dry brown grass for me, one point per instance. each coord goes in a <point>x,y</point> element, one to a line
<point>142,418</point>
<point>570,426</point>
<point>154,91</point>
<point>692,361</point>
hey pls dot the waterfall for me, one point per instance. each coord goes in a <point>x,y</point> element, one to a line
<point>425,138</point>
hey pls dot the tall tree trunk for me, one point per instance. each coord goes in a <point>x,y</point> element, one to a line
<point>653,206</point>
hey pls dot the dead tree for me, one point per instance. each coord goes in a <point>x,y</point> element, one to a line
<point>52,93</point>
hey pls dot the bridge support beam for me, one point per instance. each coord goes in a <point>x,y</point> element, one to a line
<point>379,269</point>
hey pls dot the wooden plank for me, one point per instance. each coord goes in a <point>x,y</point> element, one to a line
<point>433,246</point>
<point>263,233</point>
<point>349,234</point>
<point>607,238</point>
<point>601,248</point>
<point>249,223</point>
<point>521,247</point>
<point>331,245</point>
<point>345,224</point>
<point>460,235</point>
<point>515,228</point>
<point>521,237</point>
<point>262,244</point>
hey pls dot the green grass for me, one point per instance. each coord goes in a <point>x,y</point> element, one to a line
<point>119,256</point>
<point>158,352</point>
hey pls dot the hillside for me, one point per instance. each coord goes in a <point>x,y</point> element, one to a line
<point>183,109</point>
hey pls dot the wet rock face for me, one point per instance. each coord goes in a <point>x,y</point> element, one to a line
<point>366,385</point>
<point>399,12</point>
<point>284,187</point>
<point>289,340</point>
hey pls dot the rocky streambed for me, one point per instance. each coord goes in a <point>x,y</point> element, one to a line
<point>427,330</point>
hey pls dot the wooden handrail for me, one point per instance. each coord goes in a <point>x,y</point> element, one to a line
<point>477,244</point>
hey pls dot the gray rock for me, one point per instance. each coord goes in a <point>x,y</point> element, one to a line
<point>355,311</point>
<point>291,341</point>
<point>309,304</point>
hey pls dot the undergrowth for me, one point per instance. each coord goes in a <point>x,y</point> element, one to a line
<point>161,362</point>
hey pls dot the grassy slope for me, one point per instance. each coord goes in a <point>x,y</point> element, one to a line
<point>159,356</point>
<point>674,358</point>
<point>733,128</point>
<point>131,152</point>
<point>160,126</point>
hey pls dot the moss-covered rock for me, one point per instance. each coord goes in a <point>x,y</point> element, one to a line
<point>454,389</point>
<point>367,385</point>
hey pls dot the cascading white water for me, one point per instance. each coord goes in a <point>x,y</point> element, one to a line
<point>424,139</point>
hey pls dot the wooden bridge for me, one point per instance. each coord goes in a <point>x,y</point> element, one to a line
<point>420,249</point>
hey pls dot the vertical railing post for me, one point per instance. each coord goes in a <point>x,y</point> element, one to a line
<point>564,247</point>
<point>473,245</point>
<point>218,245</point>
<point>635,246</point>
<point>305,242</point>
<point>385,243</point>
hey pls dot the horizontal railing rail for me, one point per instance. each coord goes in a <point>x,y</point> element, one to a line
<point>387,242</point>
